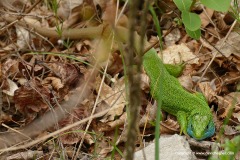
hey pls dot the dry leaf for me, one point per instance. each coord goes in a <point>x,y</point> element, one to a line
<point>10,67</point>
<point>12,88</point>
<point>149,116</point>
<point>4,118</point>
<point>227,103</point>
<point>176,54</point>
<point>172,37</point>
<point>112,97</point>
<point>220,22</point>
<point>84,47</point>
<point>14,5</point>
<point>103,148</point>
<point>230,46</point>
<point>74,135</point>
<point>186,82</point>
<point>236,116</point>
<point>22,37</point>
<point>54,81</point>
<point>32,98</point>
<point>115,65</point>
<point>145,82</point>
<point>229,130</point>
<point>71,137</point>
<point>103,127</point>
<point>208,91</point>
<point>206,16</point>
<point>66,6</point>
<point>169,126</point>
<point>68,73</point>
<point>21,81</point>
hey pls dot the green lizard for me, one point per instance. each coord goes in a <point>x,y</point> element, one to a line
<point>191,110</point>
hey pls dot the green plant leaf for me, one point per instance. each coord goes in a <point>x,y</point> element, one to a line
<point>183,5</point>
<point>218,5</point>
<point>191,20</point>
<point>194,34</point>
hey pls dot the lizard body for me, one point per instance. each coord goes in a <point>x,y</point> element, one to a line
<point>191,110</point>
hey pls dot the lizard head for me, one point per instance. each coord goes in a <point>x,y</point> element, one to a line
<point>200,126</point>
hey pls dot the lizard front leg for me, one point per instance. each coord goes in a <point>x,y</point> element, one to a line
<point>182,120</point>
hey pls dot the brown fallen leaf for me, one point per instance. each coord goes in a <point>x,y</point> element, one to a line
<point>12,87</point>
<point>116,65</point>
<point>226,104</point>
<point>74,135</point>
<point>23,37</point>
<point>54,81</point>
<point>149,116</point>
<point>206,16</point>
<point>84,48</point>
<point>32,98</point>
<point>172,37</point>
<point>176,54</point>
<point>230,46</point>
<point>186,82</point>
<point>65,8</point>
<point>112,97</point>
<point>5,117</point>
<point>10,67</point>
<point>229,130</point>
<point>68,73</point>
<point>113,124</point>
<point>169,126</point>
<point>220,22</point>
<point>208,90</point>
<point>145,83</point>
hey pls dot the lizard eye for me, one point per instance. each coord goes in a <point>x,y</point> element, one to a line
<point>211,129</point>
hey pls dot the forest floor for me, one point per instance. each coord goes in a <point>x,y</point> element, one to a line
<point>45,66</point>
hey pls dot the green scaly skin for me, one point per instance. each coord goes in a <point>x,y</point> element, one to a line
<point>191,110</point>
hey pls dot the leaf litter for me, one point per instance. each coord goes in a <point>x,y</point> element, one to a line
<point>33,84</point>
